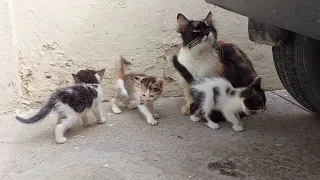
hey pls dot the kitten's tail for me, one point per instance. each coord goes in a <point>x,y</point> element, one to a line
<point>121,71</point>
<point>182,70</point>
<point>43,112</point>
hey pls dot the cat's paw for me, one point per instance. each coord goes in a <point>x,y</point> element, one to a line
<point>156,115</point>
<point>238,128</point>
<point>186,109</point>
<point>194,118</point>
<point>116,110</point>
<point>132,106</point>
<point>152,121</point>
<point>61,140</point>
<point>102,120</point>
<point>212,125</point>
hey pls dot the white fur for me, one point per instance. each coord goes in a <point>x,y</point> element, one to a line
<point>200,60</point>
<point>147,108</point>
<point>72,117</point>
<point>229,106</point>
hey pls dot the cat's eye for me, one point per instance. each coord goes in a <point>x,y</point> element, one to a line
<point>143,95</point>
<point>195,30</point>
<point>151,95</point>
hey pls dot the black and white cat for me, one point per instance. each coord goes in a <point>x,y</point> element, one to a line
<point>218,94</point>
<point>73,103</point>
<point>197,53</point>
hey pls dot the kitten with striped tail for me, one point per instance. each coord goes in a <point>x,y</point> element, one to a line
<point>72,103</point>
<point>218,94</point>
<point>137,90</point>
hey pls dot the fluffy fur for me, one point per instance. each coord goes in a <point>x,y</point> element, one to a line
<point>218,94</point>
<point>73,103</point>
<point>235,66</point>
<point>197,53</point>
<point>137,90</point>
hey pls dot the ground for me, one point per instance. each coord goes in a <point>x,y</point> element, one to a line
<point>281,143</point>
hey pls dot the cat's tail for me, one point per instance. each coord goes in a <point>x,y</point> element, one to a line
<point>43,112</point>
<point>182,70</point>
<point>121,71</point>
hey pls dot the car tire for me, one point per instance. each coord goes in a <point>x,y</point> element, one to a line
<point>297,62</point>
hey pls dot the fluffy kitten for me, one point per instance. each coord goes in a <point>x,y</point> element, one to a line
<point>218,94</point>
<point>197,54</point>
<point>73,103</point>
<point>235,66</point>
<point>137,91</point>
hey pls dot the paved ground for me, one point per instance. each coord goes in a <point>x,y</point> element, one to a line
<point>281,143</point>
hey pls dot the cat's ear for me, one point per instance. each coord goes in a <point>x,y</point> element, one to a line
<point>256,83</point>
<point>101,72</point>
<point>75,77</point>
<point>208,19</point>
<point>138,78</point>
<point>159,84</point>
<point>182,22</point>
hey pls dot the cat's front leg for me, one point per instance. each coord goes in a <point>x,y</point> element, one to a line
<point>145,111</point>
<point>232,117</point>
<point>188,98</point>
<point>152,110</point>
<point>98,114</point>
<point>114,106</point>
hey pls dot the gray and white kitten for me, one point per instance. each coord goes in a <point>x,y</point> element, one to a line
<point>218,94</point>
<point>72,103</point>
<point>137,90</point>
<point>197,54</point>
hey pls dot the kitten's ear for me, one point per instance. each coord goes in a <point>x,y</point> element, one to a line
<point>101,72</point>
<point>208,19</point>
<point>256,83</point>
<point>138,78</point>
<point>182,22</point>
<point>159,83</point>
<point>75,77</point>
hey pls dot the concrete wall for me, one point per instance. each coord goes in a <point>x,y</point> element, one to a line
<point>9,77</point>
<point>57,38</point>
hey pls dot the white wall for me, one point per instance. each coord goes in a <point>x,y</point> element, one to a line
<point>57,38</point>
<point>9,77</point>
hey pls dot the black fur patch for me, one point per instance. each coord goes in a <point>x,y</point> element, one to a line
<point>216,94</point>
<point>78,97</point>
<point>230,92</point>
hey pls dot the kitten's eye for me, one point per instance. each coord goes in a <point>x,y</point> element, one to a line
<point>151,95</point>
<point>143,95</point>
<point>195,30</point>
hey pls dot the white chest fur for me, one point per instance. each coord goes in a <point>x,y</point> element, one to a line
<point>200,60</point>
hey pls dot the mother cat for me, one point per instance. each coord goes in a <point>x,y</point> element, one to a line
<point>204,56</point>
<point>197,54</point>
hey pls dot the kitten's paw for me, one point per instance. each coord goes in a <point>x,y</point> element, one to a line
<point>213,125</point>
<point>61,140</point>
<point>194,118</point>
<point>152,121</point>
<point>102,120</point>
<point>186,109</point>
<point>132,106</point>
<point>156,115</point>
<point>238,128</point>
<point>116,110</point>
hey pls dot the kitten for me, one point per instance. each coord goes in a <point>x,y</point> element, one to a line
<point>72,103</point>
<point>137,91</point>
<point>197,54</point>
<point>218,94</point>
<point>235,66</point>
